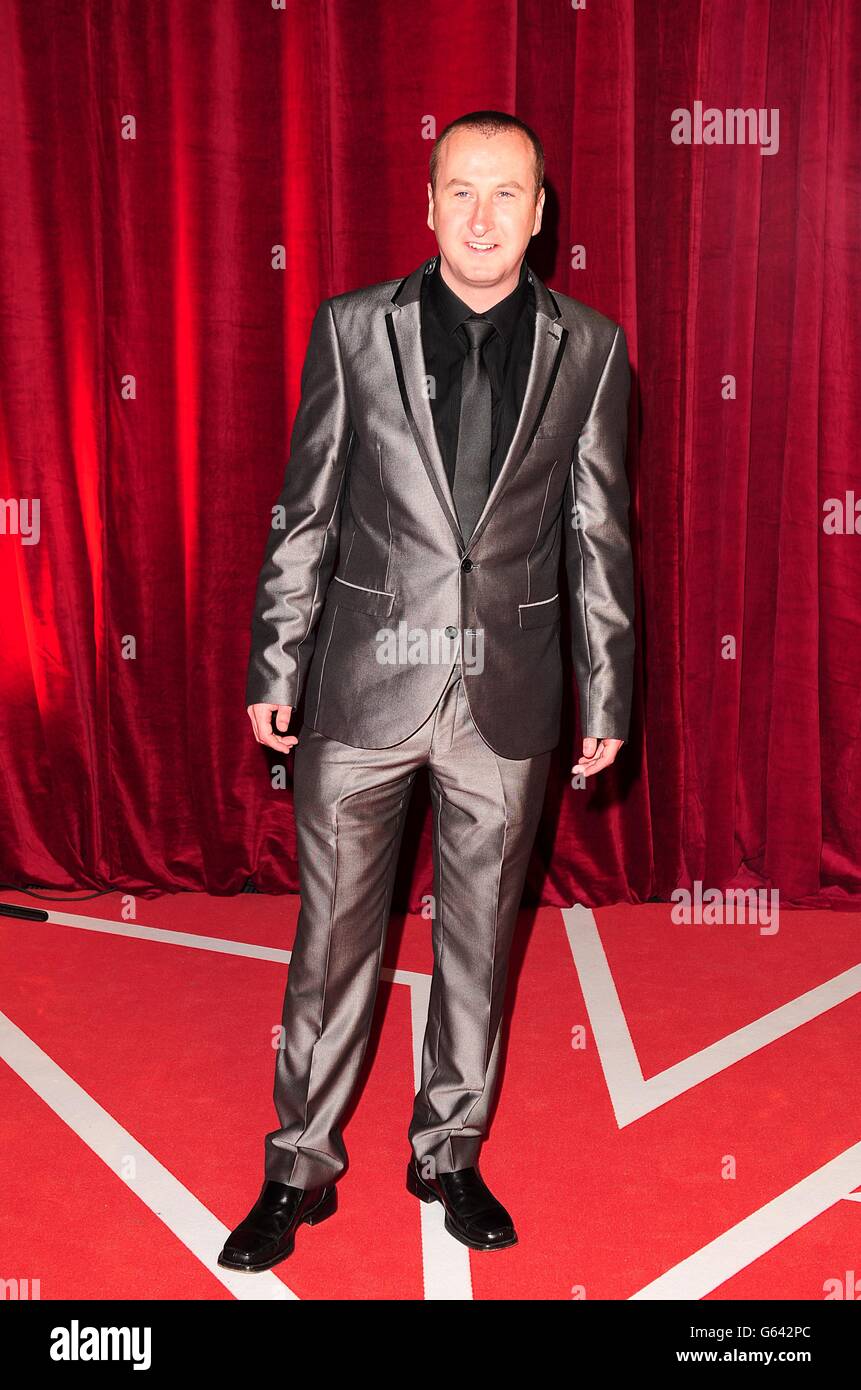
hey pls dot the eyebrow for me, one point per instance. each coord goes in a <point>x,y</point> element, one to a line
<point>465,183</point>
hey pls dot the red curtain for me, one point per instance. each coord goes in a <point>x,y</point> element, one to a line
<point>156,164</point>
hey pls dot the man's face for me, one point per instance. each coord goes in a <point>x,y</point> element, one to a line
<point>484,212</point>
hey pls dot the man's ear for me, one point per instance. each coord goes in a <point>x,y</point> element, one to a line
<point>430,206</point>
<point>539,210</point>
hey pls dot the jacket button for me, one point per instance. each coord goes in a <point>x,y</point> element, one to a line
<point>467,565</point>
<point>451,632</point>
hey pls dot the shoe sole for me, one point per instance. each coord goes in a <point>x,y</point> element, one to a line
<point>323,1210</point>
<point>426,1194</point>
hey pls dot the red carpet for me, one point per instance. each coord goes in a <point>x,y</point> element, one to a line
<point>175,1044</point>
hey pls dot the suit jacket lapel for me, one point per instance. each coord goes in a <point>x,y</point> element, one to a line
<point>403,324</point>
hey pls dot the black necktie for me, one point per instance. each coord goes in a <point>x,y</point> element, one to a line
<point>472,465</point>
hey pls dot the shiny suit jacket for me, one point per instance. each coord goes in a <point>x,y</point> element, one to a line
<point>366,570</point>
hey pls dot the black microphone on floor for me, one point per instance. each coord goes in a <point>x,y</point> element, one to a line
<point>29,914</point>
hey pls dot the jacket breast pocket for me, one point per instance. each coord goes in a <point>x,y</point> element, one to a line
<point>377,602</point>
<point>558,443</point>
<point>566,428</point>
<point>537,614</point>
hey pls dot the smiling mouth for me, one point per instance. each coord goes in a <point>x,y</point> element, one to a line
<point>482,247</point>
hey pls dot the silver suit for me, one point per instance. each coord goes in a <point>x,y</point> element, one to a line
<point>415,647</point>
<point>366,536</point>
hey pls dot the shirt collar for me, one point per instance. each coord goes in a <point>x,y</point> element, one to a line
<point>452,311</point>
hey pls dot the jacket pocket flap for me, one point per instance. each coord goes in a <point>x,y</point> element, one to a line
<point>536,614</point>
<point>377,602</point>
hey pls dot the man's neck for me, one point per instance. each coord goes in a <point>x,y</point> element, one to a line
<point>480,298</point>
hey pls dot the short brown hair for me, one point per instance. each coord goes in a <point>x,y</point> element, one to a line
<point>489,122</point>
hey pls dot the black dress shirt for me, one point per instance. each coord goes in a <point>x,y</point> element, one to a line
<point>507,355</point>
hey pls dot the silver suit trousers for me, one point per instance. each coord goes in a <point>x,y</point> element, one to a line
<point>350,806</point>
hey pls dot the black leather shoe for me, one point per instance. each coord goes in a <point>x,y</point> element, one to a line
<point>472,1213</point>
<point>268,1233</point>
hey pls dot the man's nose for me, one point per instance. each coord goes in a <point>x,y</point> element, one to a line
<point>482,220</point>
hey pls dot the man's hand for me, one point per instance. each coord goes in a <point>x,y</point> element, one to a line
<point>261,723</point>
<point>598,753</point>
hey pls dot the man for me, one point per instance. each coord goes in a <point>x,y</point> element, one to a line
<point>459,431</point>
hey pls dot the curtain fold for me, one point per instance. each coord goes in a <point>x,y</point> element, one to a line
<point>180,185</point>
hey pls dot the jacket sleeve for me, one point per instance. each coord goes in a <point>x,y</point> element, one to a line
<point>598,555</point>
<point>303,543</point>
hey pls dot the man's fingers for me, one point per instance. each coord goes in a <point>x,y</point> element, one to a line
<point>591,765</point>
<point>604,756</point>
<point>589,769</point>
<point>281,745</point>
<point>261,723</point>
<point>589,756</point>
